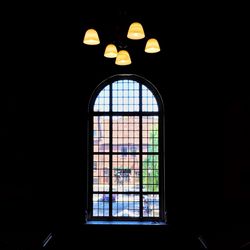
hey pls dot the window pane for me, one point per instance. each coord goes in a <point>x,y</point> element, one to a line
<point>101,173</point>
<point>151,205</point>
<point>101,134</point>
<point>126,205</point>
<point>150,139</point>
<point>100,205</point>
<point>125,134</point>
<point>149,103</point>
<point>126,173</point>
<point>150,173</point>
<point>102,100</point>
<point>125,96</point>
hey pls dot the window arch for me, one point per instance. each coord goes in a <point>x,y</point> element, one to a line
<point>126,145</point>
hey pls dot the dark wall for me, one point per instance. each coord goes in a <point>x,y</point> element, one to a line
<point>44,128</point>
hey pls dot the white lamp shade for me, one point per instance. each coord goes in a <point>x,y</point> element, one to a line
<point>110,51</point>
<point>123,58</point>
<point>91,37</point>
<point>152,46</point>
<point>135,31</point>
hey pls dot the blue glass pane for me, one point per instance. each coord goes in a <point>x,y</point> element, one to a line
<point>125,96</point>
<point>149,103</point>
<point>102,101</point>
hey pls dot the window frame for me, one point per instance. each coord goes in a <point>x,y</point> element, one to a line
<point>161,152</point>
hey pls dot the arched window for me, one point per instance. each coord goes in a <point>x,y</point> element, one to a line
<point>126,164</point>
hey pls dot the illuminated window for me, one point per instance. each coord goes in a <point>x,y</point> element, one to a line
<point>126,165</point>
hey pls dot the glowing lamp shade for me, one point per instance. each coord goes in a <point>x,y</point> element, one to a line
<point>110,51</point>
<point>152,46</point>
<point>91,37</point>
<point>135,31</point>
<point>123,58</point>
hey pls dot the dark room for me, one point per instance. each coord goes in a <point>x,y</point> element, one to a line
<point>141,149</point>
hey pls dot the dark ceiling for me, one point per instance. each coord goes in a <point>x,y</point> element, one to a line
<point>49,37</point>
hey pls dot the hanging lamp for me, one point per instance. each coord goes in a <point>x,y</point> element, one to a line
<point>110,51</point>
<point>91,37</point>
<point>152,46</point>
<point>123,58</point>
<point>135,31</point>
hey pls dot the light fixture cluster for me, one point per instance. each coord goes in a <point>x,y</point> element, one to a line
<point>135,32</point>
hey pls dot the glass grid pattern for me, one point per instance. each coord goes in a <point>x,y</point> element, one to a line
<point>100,205</point>
<point>149,102</point>
<point>102,101</point>
<point>127,205</point>
<point>101,173</point>
<point>151,205</point>
<point>101,133</point>
<point>150,167</point>
<point>125,133</point>
<point>125,173</point>
<point>125,96</point>
<point>150,138</point>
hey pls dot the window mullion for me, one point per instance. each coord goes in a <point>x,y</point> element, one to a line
<point>140,150</point>
<point>110,151</point>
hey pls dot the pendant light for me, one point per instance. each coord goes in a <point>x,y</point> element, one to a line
<point>152,46</point>
<point>123,58</point>
<point>110,51</point>
<point>91,37</point>
<point>135,31</point>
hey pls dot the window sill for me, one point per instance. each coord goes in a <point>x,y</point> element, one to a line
<point>127,223</point>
